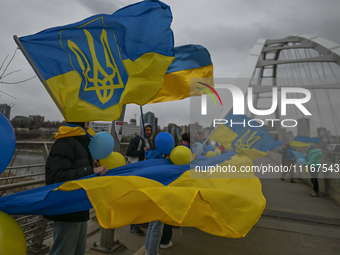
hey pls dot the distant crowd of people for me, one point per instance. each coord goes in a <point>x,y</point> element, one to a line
<point>313,158</point>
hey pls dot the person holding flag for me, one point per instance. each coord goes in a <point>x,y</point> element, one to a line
<point>70,159</point>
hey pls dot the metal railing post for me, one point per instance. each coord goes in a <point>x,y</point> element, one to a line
<point>46,151</point>
<point>39,248</point>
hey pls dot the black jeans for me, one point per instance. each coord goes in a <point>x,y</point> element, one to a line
<point>167,234</point>
<point>315,184</point>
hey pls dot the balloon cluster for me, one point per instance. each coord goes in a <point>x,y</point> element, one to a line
<point>179,155</point>
<point>101,147</point>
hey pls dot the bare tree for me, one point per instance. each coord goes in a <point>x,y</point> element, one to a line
<point>4,73</point>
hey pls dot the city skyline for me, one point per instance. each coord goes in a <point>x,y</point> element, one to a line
<point>287,135</point>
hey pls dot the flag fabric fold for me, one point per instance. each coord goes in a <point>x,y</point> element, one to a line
<point>191,61</point>
<point>153,190</point>
<point>304,141</point>
<point>92,67</point>
<point>251,140</point>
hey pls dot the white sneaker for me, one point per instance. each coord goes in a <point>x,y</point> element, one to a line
<point>166,246</point>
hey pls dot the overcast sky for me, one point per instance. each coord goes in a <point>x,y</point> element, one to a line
<point>227,28</point>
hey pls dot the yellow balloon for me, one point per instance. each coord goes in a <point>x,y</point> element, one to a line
<point>180,155</point>
<point>114,160</point>
<point>12,238</point>
<point>218,151</point>
<point>210,154</point>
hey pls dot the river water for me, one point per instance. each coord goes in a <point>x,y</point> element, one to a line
<point>25,158</point>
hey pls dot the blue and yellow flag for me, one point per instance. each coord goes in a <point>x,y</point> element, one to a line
<point>236,134</point>
<point>304,141</point>
<point>191,61</point>
<point>92,67</point>
<point>154,190</point>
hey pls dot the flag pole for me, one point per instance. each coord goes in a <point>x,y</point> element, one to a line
<point>141,114</point>
<point>36,70</point>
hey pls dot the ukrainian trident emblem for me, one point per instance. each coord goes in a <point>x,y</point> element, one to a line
<point>94,55</point>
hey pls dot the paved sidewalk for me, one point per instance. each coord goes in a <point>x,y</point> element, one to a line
<point>292,223</point>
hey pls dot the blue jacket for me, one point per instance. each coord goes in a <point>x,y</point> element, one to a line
<point>152,154</point>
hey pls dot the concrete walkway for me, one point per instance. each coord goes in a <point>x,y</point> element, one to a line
<point>292,223</point>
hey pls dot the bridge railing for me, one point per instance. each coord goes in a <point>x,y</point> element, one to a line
<point>36,229</point>
<point>329,181</point>
<point>333,157</point>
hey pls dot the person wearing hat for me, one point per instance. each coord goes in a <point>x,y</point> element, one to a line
<point>313,156</point>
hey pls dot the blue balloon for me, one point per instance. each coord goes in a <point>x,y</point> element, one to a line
<point>209,148</point>
<point>7,142</point>
<point>164,143</point>
<point>301,161</point>
<point>101,145</point>
<point>195,147</point>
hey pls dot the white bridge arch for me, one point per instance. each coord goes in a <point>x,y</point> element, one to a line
<point>304,61</point>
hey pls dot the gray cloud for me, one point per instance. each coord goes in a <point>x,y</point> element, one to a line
<point>228,29</point>
<point>104,6</point>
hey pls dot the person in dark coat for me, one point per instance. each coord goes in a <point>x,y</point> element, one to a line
<point>139,144</point>
<point>70,159</point>
<point>313,159</point>
<point>186,140</point>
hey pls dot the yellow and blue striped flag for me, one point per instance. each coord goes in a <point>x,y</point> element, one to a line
<point>154,190</point>
<point>236,134</point>
<point>304,141</point>
<point>92,67</point>
<point>191,61</point>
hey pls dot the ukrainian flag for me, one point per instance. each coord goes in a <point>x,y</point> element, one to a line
<point>236,134</point>
<point>191,61</point>
<point>304,141</point>
<point>154,190</point>
<point>92,67</point>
